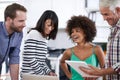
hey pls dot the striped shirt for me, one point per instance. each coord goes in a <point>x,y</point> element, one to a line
<point>113,52</point>
<point>34,54</point>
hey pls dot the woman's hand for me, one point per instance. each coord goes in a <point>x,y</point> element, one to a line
<point>92,71</point>
<point>52,74</point>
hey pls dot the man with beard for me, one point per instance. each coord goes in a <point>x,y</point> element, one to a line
<point>11,37</point>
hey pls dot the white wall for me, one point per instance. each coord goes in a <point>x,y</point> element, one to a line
<point>62,40</point>
<point>63,8</point>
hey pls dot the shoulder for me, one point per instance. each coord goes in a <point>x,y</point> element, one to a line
<point>97,47</point>
<point>2,26</point>
<point>68,52</point>
<point>98,50</point>
<point>1,23</point>
<point>66,55</point>
<point>34,34</point>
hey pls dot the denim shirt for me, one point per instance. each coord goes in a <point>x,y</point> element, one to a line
<point>9,45</point>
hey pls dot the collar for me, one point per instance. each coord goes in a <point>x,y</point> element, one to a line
<point>4,29</point>
<point>118,23</point>
<point>116,26</point>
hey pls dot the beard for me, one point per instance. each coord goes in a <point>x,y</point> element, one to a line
<point>15,28</point>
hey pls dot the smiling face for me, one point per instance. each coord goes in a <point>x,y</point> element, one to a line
<point>48,26</point>
<point>77,35</point>
<point>18,23</point>
<point>109,15</point>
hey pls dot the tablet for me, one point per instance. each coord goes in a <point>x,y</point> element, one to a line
<point>76,64</point>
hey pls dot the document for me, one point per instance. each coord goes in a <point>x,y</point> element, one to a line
<point>76,64</point>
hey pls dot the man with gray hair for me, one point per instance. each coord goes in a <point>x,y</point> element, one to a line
<point>110,10</point>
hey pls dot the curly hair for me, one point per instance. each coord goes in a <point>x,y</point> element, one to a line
<point>84,23</point>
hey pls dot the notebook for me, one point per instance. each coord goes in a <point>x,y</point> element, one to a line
<point>26,76</point>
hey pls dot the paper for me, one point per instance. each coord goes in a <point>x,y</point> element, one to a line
<point>76,64</point>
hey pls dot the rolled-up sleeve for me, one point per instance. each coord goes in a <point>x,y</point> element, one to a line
<point>15,49</point>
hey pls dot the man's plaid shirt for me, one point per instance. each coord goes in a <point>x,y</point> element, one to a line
<point>113,52</point>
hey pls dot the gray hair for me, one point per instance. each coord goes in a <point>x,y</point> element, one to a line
<point>112,4</point>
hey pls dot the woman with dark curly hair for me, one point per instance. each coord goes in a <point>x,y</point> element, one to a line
<point>82,32</point>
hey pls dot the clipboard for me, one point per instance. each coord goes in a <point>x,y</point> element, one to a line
<point>76,64</point>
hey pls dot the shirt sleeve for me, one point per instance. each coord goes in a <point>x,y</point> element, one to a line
<point>15,49</point>
<point>39,67</point>
<point>116,67</point>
